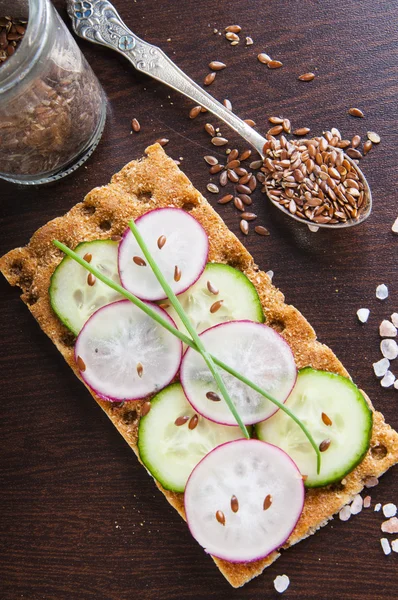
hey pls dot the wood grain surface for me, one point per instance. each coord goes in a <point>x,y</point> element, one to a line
<point>80,518</point>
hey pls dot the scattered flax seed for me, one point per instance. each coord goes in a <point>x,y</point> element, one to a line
<point>260,230</point>
<point>248,216</point>
<point>356,112</point>
<point>88,257</point>
<point>209,128</point>
<point>161,241</point>
<point>145,408</point>
<point>233,29</point>
<point>208,80</point>
<point>177,273</point>
<point>225,199</point>
<point>234,504</point>
<point>216,65</point>
<point>244,226</point>
<point>373,137</point>
<point>194,112</point>
<point>116,238</point>
<point>139,261</point>
<point>219,141</point>
<point>223,178</point>
<point>228,104</point>
<point>215,169</point>
<point>250,122</point>
<point>367,501</point>
<point>245,155</point>
<point>267,502</point>
<point>356,140</point>
<point>390,526</point>
<point>211,187</point>
<point>213,397</point>
<point>212,288</point>
<point>367,147</point>
<point>301,131</point>
<point>232,37</point>
<point>162,141</point>
<point>307,77</point>
<point>286,126</point>
<point>327,420</point>
<point>275,130</point>
<point>164,305</point>
<point>216,306</point>
<point>193,422</point>
<point>135,125</point>
<point>181,421</point>
<point>91,279</point>
<point>323,446</point>
<point>140,369</point>
<point>81,364</point>
<point>238,204</point>
<point>211,160</point>
<point>274,64</point>
<point>264,58</point>
<point>276,120</point>
<point>249,41</point>
<point>256,164</point>
<point>220,517</point>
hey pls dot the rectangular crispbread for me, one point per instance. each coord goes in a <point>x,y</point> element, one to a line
<point>156,181</point>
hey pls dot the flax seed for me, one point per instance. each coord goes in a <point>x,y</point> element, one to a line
<point>161,241</point>
<point>139,261</point>
<point>276,120</point>
<point>194,112</point>
<point>135,126</point>
<point>356,140</point>
<point>220,517</point>
<point>356,112</point>
<point>301,131</point>
<point>140,369</point>
<point>260,230</point>
<point>193,422</point>
<point>213,397</point>
<point>234,504</point>
<point>274,64</point>
<point>367,146</point>
<point>208,80</point>
<point>245,155</point>
<point>245,199</point>
<point>323,446</point>
<point>248,216</point>
<point>88,257</point>
<point>250,122</point>
<point>211,160</point>
<point>373,137</point>
<point>215,169</point>
<point>212,188</point>
<point>216,306</point>
<point>145,408</point>
<point>181,420</point>
<point>177,273</point>
<point>227,103</point>
<point>275,130</point>
<point>244,226</point>
<point>327,420</point>
<point>209,128</point>
<point>91,279</point>
<point>225,199</point>
<point>238,204</point>
<point>162,141</point>
<point>223,178</point>
<point>267,502</point>
<point>81,364</point>
<point>216,65</point>
<point>219,141</point>
<point>233,28</point>
<point>307,77</point>
<point>232,37</point>
<point>264,58</point>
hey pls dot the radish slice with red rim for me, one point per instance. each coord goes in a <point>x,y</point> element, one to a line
<point>243,500</point>
<point>123,354</point>
<point>253,349</point>
<point>177,242</point>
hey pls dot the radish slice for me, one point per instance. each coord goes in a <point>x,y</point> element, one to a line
<point>123,354</point>
<point>243,500</point>
<point>253,349</point>
<point>177,242</point>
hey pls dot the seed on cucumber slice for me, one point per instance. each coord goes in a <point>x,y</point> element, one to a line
<point>169,442</point>
<point>123,354</point>
<point>338,417</point>
<point>243,500</point>
<point>72,298</point>
<point>221,283</point>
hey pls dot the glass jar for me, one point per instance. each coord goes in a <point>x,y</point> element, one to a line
<point>52,107</point>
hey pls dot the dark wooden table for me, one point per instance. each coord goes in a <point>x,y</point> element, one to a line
<point>79,517</point>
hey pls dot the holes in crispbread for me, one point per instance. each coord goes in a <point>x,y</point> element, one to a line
<point>378,452</point>
<point>144,196</point>
<point>16,267</point>
<point>68,339</point>
<point>129,417</point>
<point>88,210</point>
<point>277,324</point>
<point>105,225</point>
<point>188,206</point>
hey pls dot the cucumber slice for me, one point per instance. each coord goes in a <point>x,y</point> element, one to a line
<point>72,299</point>
<point>170,451</point>
<point>239,299</point>
<point>333,409</point>
<point>243,500</point>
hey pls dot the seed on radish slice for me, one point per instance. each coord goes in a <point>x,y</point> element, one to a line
<point>177,242</point>
<point>225,500</point>
<point>126,354</point>
<point>253,349</point>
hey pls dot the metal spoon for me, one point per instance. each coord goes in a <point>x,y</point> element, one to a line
<point>98,21</point>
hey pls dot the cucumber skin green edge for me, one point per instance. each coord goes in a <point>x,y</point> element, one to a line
<point>52,287</point>
<point>240,275</point>
<point>370,426</point>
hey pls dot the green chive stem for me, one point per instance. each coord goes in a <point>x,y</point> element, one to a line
<point>184,338</point>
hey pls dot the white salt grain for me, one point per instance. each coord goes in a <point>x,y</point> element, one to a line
<point>378,507</point>
<point>394,545</point>
<point>382,292</point>
<point>388,380</point>
<point>345,513</point>
<point>387,329</point>
<point>281,583</point>
<point>389,349</point>
<point>394,319</point>
<point>394,227</point>
<point>367,501</point>
<point>371,481</point>
<point>313,228</point>
<point>270,274</point>
<point>381,367</point>
<point>363,314</point>
<point>385,544</point>
<point>356,505</point>
<point>396,384</point>
<point>389,510</point>
<point>390,526</point>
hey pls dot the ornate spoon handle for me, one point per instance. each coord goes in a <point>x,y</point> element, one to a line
<point>99,22</point>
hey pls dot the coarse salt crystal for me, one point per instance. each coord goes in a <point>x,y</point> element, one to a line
<point>394,319</point>
<point>363,314</point>
<point>371,481</point>
<point>389,348</point>
<point>390,526</point>
<point>394,227</point>
<point>389,510</point>
<point>381,367</point>
<point>378,507</point>
<point>270,274</point>
<point>382,292</point>
<point>281,583</point>
<point>396,384</point>
<point>387,329</point>
<point>345,513</point>
<point>367,501</point>
<point>394,545</point>
<point>313,228</point>
<point>385,544</point>
<point>356,505</point>
<point>388,380</point>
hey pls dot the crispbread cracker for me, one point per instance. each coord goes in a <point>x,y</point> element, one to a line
<point>143,185</point>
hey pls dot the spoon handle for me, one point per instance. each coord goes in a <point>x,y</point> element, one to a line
<point>98,21</point>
